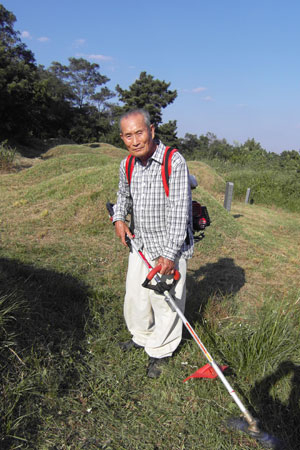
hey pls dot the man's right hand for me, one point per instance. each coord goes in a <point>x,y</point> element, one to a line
<point>122,230</point>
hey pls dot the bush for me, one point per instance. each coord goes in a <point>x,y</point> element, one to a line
<point>272,185</point>
<point>7,156</point>
<point>269,187</point>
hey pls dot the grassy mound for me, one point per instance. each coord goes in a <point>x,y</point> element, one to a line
<point>91,149</point>
<point>208,178</point>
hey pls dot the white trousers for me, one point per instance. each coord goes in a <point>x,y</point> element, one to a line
<point>148,316</point>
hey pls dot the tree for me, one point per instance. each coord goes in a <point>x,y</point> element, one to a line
<point>194,147</point>
<point>167,133</point>
<point>18,74</point>
<point>101,99</point>
<point>41,103</point>
<point>254,148</point>
<point>290,160</point>
<point>82,77</point>
<point>149,94</point>
<point>54,114</point>
<point>8,36</point>
<point>290,155</point>
<point>80,83</point>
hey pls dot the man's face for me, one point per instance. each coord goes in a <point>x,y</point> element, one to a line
<point>137,137</point>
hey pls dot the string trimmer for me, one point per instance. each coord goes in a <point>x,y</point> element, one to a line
<point>248,423</point>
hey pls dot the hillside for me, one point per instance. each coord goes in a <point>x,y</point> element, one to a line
<point>61,202</point>
<point>62,283</point>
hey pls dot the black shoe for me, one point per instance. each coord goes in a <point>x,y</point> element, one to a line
<point>155,366</point>
<point>128,345</point>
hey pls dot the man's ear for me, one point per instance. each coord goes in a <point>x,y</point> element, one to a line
<point>152,129</point>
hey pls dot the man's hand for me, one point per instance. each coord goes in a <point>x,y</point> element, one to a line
<point>121,230</point>
<point>167,266</point>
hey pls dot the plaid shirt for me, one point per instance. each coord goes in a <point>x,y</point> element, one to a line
<point>161,223</point>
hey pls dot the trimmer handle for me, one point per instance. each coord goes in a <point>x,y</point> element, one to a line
<point>110,209</point>
<point>161,286</point>
<point>156,269</point>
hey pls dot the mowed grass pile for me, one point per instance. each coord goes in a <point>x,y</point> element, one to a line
<point>65,384</point>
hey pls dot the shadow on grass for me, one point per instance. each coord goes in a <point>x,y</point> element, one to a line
<point>280,419</point>
<point>41,345</point>
<point>214,280</point>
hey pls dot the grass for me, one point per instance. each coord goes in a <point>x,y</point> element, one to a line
<point>65,384</point>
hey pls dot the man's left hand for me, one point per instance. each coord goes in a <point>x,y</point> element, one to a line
<point>167,266</point>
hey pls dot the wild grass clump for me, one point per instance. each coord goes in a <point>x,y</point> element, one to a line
<point>9,304</point>
<point>7,156</point>
<point>262,350</point>
<point>260,341</point>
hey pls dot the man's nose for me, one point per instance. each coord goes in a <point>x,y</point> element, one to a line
<point>135,140</point>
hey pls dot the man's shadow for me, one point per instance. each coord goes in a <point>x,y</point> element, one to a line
<point>43,317</point>
<point>214,280</point>
<point>281,419</point>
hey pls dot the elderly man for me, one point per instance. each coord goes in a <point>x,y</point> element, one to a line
<point>162,229</point>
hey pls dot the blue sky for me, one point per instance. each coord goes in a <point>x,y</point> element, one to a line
<point>234,63</point>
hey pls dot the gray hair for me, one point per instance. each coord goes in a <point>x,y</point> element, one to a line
<point>133,112</point>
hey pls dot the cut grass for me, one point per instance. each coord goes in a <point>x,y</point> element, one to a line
<point>65,382</point>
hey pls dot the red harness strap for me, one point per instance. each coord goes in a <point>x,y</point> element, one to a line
<point>129,167</point>
<point>166,168</point>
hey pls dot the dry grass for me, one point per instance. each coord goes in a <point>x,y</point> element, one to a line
<point>208,178</point>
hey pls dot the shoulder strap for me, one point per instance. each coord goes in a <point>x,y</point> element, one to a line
<point>129,166</point>
<point>166,168</point>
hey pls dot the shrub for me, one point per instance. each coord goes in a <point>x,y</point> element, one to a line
<point>7,156</point>
<point>269,187</point>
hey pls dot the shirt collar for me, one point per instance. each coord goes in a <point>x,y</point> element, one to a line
<point>158,155</point>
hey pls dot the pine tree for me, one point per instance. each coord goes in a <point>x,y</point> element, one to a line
<point>149,94</point>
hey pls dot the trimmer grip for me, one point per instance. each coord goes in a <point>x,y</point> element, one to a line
<point>161,286</point>
<point>156,269</point>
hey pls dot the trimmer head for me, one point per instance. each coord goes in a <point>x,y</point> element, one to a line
<point>265,439</point>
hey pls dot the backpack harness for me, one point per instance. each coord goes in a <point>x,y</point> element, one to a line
<point>166,167</point>
<point>201,218</point>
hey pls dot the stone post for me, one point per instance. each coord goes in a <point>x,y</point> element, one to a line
<point>228,195</point>
<point>247,195</point>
